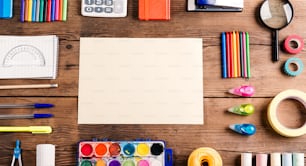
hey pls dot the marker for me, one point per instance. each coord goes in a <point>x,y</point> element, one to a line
<point>223,55</point>
<point>28,86</point>
<point>28,116</point>
<point>32,129</point>
<point>35,105</point>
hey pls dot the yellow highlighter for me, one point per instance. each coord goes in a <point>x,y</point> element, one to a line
<point>32,129</point>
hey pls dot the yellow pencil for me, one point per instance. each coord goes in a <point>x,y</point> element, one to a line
<point>30,5</point>
<point>235,54</point>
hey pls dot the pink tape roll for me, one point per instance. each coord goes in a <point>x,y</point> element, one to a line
<point>293,44</point>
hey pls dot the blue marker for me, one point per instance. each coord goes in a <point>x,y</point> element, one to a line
<point>223,55</point>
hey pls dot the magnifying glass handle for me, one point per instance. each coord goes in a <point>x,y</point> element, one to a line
<point>275,46</point>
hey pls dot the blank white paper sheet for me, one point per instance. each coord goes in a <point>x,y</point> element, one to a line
<point>141,81</point>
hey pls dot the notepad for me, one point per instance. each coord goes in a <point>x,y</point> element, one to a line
<point>141,81</point>
<point>32,57</point>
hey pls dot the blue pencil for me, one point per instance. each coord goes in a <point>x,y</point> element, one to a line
<point>22,11</point>
<point>223,55</point>
<point>53,10</point>
<point>34,10</point>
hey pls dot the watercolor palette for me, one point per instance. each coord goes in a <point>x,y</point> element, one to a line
<point>124,153</point>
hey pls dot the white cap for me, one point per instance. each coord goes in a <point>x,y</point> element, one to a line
<point>45,155</point>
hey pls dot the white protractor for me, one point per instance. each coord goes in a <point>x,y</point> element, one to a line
<point>24,55</point>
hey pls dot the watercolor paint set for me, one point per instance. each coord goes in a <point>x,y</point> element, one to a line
<point>123,153</point>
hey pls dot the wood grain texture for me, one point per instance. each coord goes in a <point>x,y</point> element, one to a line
<point>266,77</point>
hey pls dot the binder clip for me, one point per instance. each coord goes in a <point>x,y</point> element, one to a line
<point>215,5</point>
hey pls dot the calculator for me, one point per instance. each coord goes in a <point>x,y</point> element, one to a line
<point>104,8</point>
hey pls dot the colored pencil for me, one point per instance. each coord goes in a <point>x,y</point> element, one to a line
<point>248,54</point>
<point>37,10</point>
<point>241,54</point>
<point>42,10</point>
<point>26,3</point>
<point>53,10</point>
<point>228,56</point>
<point>30,5</point>
<point>223,55</point>
<point>238,54</point>
<point>231,54</point>
<point>64,9</point>
<point>22,10</point>
<point>34,3</point>
<point>49,7</point>
<point>234,54</point>
<point>60,9</point>
<point>45,10</point>
<point>57,3</point>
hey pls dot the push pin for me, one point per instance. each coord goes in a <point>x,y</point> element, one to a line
<point>244,91</point>
<point>244,129</point>
<point>243,109</point>
<point>17,154</point>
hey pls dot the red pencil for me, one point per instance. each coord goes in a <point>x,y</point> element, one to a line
<point>231,54</point>
<point>228,56</point>
<point>49,11</point>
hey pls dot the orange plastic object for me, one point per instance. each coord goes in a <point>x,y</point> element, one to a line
<point>154,9</point>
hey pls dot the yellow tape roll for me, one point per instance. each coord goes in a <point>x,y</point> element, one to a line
<point>206,155</point>
<point>272,116</point>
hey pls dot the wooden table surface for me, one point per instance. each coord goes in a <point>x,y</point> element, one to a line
<point>267,78</point>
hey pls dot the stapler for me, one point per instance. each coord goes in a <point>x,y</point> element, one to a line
<point>215,5</point>
<point>6,9</point>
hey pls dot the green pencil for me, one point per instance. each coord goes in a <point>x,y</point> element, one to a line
<point>64,8</point>
<point>41,11</point>
<point>248,55</point>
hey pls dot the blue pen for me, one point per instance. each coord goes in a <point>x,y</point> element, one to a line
<point>29,116</point>
<point>35,105</point>
<point>34,3</point>
<point>223,55</point>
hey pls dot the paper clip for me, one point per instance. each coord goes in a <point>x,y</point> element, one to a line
<point>17,154</point>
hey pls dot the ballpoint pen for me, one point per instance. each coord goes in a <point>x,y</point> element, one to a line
<point>27,116</point>
<point>34,105</point>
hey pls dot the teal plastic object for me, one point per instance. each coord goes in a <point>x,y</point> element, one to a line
<point>243,109</point>
<point>244,129</point>
<point>299,65</point>
<point>6,9</point>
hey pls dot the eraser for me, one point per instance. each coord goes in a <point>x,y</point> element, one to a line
<point>154,10</point>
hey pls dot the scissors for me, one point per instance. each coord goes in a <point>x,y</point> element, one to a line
<point>17,154</point>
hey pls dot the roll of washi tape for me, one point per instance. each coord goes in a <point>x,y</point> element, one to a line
<point>272,113</point>
<point>261,159</point>
<point>293,44</point>
<point>275,159</point>
<point>45,155</point>
<point>205,156</point>
<point>286,159</point>
<point>298,159</point>
<point>298,65</point>
<point>246,159</point>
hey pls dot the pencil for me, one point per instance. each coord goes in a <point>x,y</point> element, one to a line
<point>60,10</point>
<point>41,11</point>
<point>49,7</point>
<point>223,55</point>
<point>53,11</point>
<point>34,3</point>
<point>241,54</point>
<point>37,10</point>
<point>26,4</point>
<point>228,59</point>
<point>64,15</point>
<point>28,86</point>
<point>238,54</point>
<point>248,54</point>
<point>234,54</point>
<point>22,10</point>
<point>231,54</point>
<point>57,10</point>
<point>30,5</point>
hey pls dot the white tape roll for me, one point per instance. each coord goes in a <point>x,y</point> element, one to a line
<point>45,155</point>
<point>272,113</point>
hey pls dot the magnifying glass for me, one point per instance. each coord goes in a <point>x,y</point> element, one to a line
<point>276,15</point>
